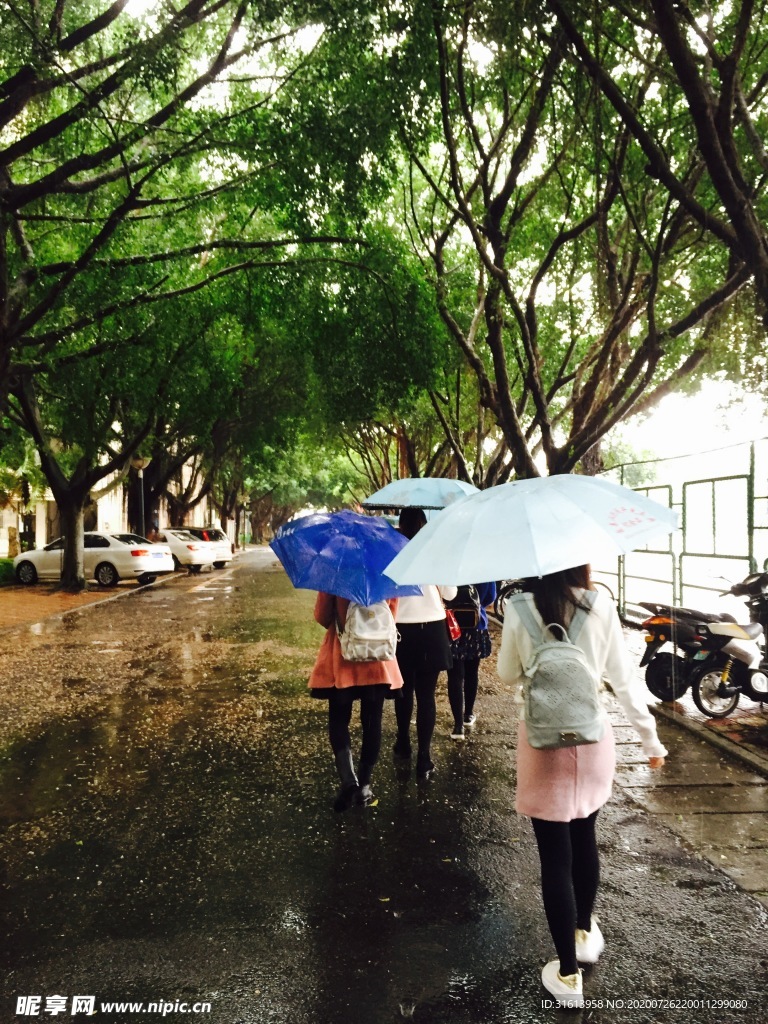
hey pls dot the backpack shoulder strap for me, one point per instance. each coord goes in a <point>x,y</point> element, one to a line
<point>580,616</point>
<point>528,619</point>
<point>339,624</point>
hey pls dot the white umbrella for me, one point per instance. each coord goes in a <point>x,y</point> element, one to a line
<point>419,492</point>
<point>530,528</point>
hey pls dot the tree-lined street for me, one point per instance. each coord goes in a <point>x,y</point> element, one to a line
<point>262,257</point>
<point>290,252</point>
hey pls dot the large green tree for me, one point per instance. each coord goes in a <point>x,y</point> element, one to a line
<point>146,162</point>
<point>137,161</point>
<point>574,285</point>
<point>694,104</point>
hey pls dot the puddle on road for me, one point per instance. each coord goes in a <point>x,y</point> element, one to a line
<point>185,740</point>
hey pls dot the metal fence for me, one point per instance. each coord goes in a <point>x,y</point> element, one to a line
<point>723,535</point>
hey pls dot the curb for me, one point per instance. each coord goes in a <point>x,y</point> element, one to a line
<point>46,617</point>
<point>755,761</point>
<point>162,581</point>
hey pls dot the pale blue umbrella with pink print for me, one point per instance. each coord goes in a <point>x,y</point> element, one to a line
<point>531,528</point>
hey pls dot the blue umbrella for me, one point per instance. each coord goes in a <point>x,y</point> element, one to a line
<point>419,492</point>
<point>342,553</point>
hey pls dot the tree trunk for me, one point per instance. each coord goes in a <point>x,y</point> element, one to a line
<point>72,569</point>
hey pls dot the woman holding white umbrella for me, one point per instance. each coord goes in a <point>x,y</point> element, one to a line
<point>562,789</point>
<point>539,530</point>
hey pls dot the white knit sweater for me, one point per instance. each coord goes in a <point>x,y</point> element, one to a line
<point>426,608</point>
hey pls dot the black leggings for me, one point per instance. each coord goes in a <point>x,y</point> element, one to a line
<point>462,688</point>
<point>570,875</point>
<point>421,685</point>
<point>339,717</point>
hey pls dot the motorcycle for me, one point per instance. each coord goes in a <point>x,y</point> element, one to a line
<point>714,656</point>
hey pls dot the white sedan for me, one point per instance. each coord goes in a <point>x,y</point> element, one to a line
<point>107,558</point>
<point>219,541</point>
<point>188,552</point>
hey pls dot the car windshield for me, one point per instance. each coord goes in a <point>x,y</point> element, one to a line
<point>182,535</point>
<point>131,539</point>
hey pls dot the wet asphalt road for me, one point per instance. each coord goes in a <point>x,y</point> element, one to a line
<point>168,836</point>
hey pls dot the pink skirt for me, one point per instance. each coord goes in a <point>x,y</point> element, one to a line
<point>560,785</point>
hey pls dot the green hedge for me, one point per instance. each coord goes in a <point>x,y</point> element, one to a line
<point>6,571</point>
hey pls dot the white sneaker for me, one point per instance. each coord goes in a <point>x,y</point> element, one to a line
<point>589,945</point>
<point>566,990</point>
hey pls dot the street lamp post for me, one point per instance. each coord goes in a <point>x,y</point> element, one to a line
<point>140,464</point>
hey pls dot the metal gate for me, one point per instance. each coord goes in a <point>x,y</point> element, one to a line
<point>723,537</point>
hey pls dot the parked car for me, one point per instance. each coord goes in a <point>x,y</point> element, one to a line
<point>188,552</point>
<point>107,558</point>
<point>222,546</point>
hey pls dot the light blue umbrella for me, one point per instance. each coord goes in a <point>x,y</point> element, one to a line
<point>531,528</point>
<point>433,492</point>
<point>342,553</point>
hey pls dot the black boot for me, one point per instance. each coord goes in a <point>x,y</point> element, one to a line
<point>402,748</point>
<point>425,767</point>
<point>365,793</point>
<point>349,789</point>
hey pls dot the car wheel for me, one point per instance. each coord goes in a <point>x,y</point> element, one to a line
<point>146,580</point>
<point>26,573</point>
<point>176,563</point>
<point>106,575</point>
<point>195,568</point>
<point>219,565</point>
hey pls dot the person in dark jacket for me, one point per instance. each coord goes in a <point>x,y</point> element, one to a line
<point>423,652</point>
<point>472,646</point>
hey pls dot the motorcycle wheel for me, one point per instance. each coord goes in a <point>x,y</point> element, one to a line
<point>705,696</point>
<point>665,676</point>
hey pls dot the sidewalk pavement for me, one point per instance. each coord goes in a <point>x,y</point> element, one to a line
<point>713,790</point>
<point>712,793</point>
<point>711,798</point>
<point>25,606</point>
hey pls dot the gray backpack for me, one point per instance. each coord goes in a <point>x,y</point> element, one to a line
<point>369,632</point>
<point>561,694</point>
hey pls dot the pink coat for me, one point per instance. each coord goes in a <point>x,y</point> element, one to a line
<point>330,669</point>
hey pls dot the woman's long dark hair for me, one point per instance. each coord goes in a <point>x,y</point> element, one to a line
<point>553,594</point>
<point>411,521</point>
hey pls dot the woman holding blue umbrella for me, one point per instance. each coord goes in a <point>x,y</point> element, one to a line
<point>343,683</point>
<point>342,555</point>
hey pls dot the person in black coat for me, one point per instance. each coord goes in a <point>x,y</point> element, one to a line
<point>474,644</point>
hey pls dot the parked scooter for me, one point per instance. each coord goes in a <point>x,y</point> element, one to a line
<point>715,656</point>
